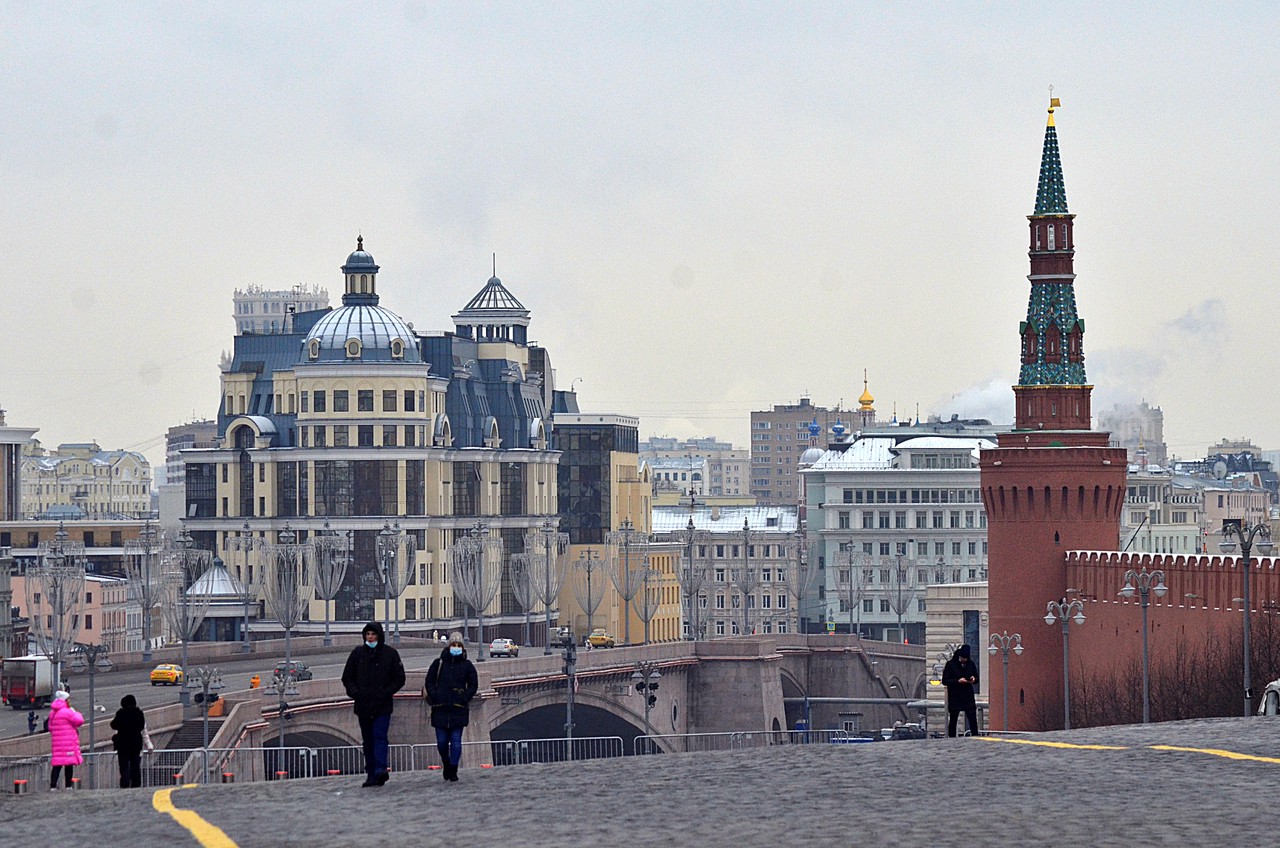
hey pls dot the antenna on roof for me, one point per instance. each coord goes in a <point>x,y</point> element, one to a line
<point>495,264</point>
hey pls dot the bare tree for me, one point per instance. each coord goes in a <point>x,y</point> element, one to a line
<point>694,572</point>
<point>800,574</point>
<point>746,578</point>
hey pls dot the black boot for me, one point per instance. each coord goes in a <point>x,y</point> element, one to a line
<point>453,773</point>
<point>447,769</point>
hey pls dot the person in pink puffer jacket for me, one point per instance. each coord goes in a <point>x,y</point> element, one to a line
<point>64,737</point>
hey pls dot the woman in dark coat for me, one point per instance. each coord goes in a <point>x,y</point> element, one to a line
<point>961,679</point>
<point>129,724</point>
<point>450,685</point>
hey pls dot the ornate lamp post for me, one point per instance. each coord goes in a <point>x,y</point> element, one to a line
<point>1002,643</point>
<point>522,588</point>
<point>549,567</point>
<point>332,559</point>
<point>1240,529</point>
<point>628,551</point>
<point>1146,584</point>
<point>55,589</point>
<point>185,609</point>
<point>476,563</point>
<point>142,563</point>
<point>288,593</point>
<point>210,682</point>
<point>801,574</point>
<point>747,578</point>
<point>649,599</point>
<point>1065,611</point>
<point>395,557</point>
<point>91,659</point>
<point>693,576</point>
<point>247,587</point>
<point>588,584</point>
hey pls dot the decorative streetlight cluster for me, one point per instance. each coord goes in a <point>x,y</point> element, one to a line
<point>548,551</point>
<point>477,574</point>
<point>589,584</point>
<point>396,550</point>
<point>746,578</point>
<point>55,596</point>
<point>1144,583</point>
<point>1239,530</point>
<point>184,605</point>
<point>332,559</point>
<point>693,575</point>
<point>1002,643</point>
<point>210,682</point>
<point>246,587</point>
<point>628,567</point>
<point>146,586</point>
<point>801,574</point>
<point>1065,612</point>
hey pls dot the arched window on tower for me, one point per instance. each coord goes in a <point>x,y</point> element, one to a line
<point>1029,345</point>
<point>1051,237</point>
<point>1053,344</point>
<point>1075,345</point>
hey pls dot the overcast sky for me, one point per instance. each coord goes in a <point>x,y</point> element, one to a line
<point>709,208</point>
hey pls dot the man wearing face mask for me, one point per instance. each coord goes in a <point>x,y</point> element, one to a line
<point>372,677</point>
<point>450,685</point>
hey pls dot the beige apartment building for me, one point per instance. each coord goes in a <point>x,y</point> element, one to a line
<point>81,480</point>
<point>779,436</point>
<point>713,467</point>
<point>106,617</point>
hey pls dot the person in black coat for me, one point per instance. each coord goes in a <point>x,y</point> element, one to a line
<point>961,679</point>
<point>450,685</point>
<point>372,677</point>
<point>130,725</point>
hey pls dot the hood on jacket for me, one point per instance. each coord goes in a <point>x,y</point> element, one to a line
<point>128,701</point>
<point>374,627</point>
<point>448,657</point>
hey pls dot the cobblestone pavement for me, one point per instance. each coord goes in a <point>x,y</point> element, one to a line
<point>1027,790</point>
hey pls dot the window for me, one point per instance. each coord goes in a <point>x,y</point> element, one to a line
<point>321,405</point>
<point>973,550</point>
<point>364,400</point>
<point>884,549</point>
<point>868,520</point>
<point>306,401</point>
<point>365,435</point>
<point>922,549</point>
<point>843,519</point>
<point>922,520</point>
<point>955,549</point>
<point>88,622</point>
<point>884,520</point>
<point>900,520</point>
<point>319,437</point>
<point>341,437</point>
<point>884,605</point>
<point>848,495</point>
<point>408,435</point>
<point>868,605</point>
<point>389,397</point>
<point>389,435</point>
<point>340,401</point>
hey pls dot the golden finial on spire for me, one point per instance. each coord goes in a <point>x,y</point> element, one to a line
<point>1054,103</point>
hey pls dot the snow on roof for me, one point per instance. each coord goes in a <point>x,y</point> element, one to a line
<point>862,455</point>
<point>943,443</point>
<point>775,519</point>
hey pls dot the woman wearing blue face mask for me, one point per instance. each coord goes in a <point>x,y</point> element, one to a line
<point>450,685</point>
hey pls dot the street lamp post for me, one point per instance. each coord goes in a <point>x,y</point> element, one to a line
<point>570,664</point>
<point>549,577</point>
<point>693,577</point>
<point>645,679</point>
<point>588,588</point>
<point>210,682</point>
<point>800,573</point>
<point>474,579</point>
<point>247,543</point>
<point>55,598</point>
<point>91,659</point>
<point>186,604</point>
<point>1065,611</point>
<point>142,562</point>
<point>332,559</point>
<point>1146,583</point>
<point>1246,534</point>
<point>624,545</point>
<point>1002,643</point>
<point>395,556</point>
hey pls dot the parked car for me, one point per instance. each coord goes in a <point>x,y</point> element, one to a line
<point>297,669</point>
<point>600,638</point>
<point>168,674</point>
<point>503,648</point>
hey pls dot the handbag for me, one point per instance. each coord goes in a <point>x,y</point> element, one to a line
<point>147,744</point>
<point>426,684</point>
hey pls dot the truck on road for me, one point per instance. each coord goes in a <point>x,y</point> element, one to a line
<point>27,682</point>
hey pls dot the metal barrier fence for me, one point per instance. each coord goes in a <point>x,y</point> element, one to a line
<point>730,741</point>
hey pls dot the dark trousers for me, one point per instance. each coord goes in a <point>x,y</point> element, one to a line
<point>130,770</point>
<point>449,744</point>
<point>53,778</point>
<point>970,717</point>
<point>373,732</point>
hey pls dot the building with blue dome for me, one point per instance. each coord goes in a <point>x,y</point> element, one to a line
<point>355,422</point>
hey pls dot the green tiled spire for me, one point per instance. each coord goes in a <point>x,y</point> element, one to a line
<point>1051,193</point>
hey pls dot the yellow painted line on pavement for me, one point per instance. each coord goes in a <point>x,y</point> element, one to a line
<point>1052,744</point>
<point>1217,752</point>
<point>208,835</point>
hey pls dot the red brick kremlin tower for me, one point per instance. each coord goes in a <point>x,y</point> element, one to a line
<point>1053,485</point>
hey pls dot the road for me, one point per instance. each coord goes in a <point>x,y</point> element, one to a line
<point>1205,782</point>
<point>110,687</point>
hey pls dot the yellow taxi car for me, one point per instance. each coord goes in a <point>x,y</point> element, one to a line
<point>166,673</point>
<point>600,638</point>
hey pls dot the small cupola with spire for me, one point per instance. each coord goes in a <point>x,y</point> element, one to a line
<point>494,315</point>
<point>360,274</point>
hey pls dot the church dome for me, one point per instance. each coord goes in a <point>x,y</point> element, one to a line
<point>810,456</point>
<point>360,260</point>
<point>379,335</point>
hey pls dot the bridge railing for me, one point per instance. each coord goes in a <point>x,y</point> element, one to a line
<point>656,743</point>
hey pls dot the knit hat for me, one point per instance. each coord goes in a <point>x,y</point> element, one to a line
<point>964,652</point>
<point>62,695</point>
<point>455,638</point>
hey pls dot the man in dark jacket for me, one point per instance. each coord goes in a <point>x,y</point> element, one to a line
<point>450,685</point>
<point>372,677</point>
<point>961,679</point>
<point>129,725</point>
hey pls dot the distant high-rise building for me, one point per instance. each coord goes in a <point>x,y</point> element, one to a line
<point>173,487</point>
<point>778,438</point>
<point>722,469</point>
<point>1137,427</point>
<point>260,310</point>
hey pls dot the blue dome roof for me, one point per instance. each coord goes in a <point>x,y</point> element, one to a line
<point>360,260</point>
<point>373,326</point>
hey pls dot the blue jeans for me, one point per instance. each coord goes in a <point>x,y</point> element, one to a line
<point>373,732</point>
<point>449,742</point>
